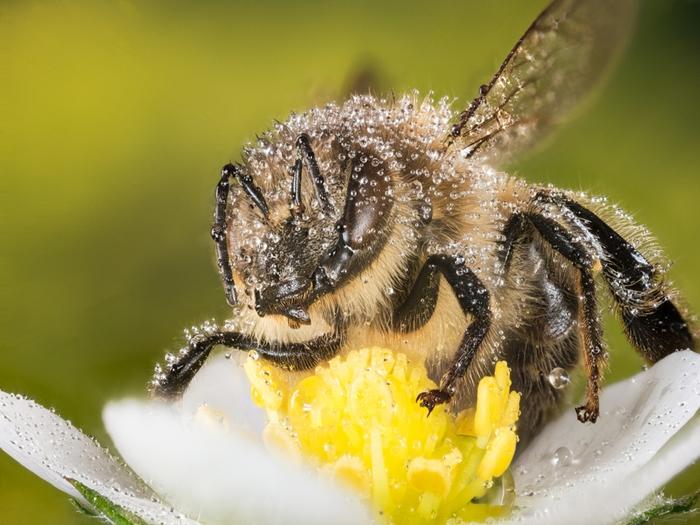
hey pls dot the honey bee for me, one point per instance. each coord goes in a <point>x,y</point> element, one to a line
<point>384,221</point>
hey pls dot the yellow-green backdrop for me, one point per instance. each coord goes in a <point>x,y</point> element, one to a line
<point>115,117</point>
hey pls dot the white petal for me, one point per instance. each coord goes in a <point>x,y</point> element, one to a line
<point>54,449</point>
<point>648,431</point>
<point>222,383</point>
<point>223,477</point>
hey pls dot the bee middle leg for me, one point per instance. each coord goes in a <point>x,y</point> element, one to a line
<point>563,242</point>
<point>474,300</point>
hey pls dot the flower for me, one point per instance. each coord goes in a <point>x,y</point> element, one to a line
<point>357,419</point>
<point>204,456</point>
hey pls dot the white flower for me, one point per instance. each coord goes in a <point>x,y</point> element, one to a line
<point>204,455</point>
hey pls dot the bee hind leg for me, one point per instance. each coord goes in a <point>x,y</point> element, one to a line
<point>652,322</point>
<point>474,299</point>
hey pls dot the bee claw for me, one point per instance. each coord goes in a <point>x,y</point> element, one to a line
<point>431,398</point>
<point>585,413</point>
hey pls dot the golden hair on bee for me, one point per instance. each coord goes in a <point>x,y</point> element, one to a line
<point>389,222</point>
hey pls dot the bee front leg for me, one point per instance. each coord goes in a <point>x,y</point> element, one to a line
<point>172,382</point>
<point>474,299</point>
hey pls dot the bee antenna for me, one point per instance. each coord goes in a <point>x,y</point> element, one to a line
<point>306,153</point>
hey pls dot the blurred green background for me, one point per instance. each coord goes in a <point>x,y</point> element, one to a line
<point>115,118</point>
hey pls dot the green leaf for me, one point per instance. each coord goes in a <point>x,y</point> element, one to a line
<point>81,508</point>
<point>114,513</point>
<point>673,507</point>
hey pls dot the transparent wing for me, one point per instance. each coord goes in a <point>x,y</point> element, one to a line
<point>561,56</point>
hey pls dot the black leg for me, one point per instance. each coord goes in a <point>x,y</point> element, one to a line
<point>594,354</point>
<point>218,234</point>
<point>562,241</point>
<point>651,320</point>
<point>548,331</point>
<point>172,382</point>
<point>559,238</point>
<point>474,299</point>
<point>218,229</point>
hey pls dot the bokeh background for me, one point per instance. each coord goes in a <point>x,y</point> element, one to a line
<point>115,117</point>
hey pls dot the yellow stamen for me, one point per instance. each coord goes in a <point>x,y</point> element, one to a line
<point>267,386</point>
<point>499,453</point>
<point>429,475</point>
<point>357,418</point>
<point>353,472</point>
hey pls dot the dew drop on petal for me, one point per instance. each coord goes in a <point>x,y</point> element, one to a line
<point>562,457</point>
<point>558,378</point>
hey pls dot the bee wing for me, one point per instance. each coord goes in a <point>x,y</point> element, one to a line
<point>558,60</point>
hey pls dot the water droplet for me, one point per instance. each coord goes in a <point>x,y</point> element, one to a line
<point>254,355</point>
<point>558,378</point>
<point>562,457</point>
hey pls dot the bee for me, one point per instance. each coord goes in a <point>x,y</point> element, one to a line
<point>384,221</point>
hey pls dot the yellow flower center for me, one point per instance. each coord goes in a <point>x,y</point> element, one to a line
<point>357,419</point>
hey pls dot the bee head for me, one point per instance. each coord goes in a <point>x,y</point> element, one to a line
<point>276,238</point>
